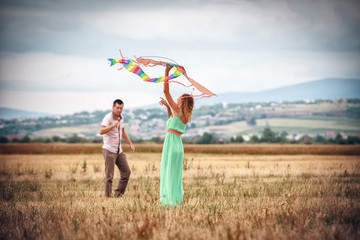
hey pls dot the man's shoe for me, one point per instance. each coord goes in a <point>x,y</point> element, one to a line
<point>118,194</point>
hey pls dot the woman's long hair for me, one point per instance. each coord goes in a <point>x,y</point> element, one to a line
<point>187,105</point>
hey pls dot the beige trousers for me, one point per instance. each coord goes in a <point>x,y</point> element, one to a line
<point>118,159</point>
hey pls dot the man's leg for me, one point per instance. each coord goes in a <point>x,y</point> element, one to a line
<point>123,166</point>
<point>109,158</point>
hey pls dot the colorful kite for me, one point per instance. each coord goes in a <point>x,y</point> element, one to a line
<point>133,66</point>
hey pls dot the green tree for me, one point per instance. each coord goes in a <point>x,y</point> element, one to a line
<point>237,138</point>
<point>254,139</point>
<point>4,139</point>
<point>251,121</point>
<point>56,139</point>
<point>339,139</point>
<point>207,138</point>
<point>75,139</point>
<point>268,135</point>
<point>319,139</point>
<point>97,140</point>
<point>25,139</point>
<point>280,138</point>
<point>156,140</point>
<point>352,140</point>
<point>354,100</point>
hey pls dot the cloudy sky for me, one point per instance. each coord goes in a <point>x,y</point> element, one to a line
<point>54,53</point>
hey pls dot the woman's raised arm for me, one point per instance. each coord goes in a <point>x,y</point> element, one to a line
<point>168,96</point>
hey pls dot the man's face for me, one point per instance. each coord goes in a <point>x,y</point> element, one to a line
<point>117,109</point>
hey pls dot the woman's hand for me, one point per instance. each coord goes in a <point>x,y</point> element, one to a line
<point>164,102</point>
<point>166,80</point>
<point>167,70</point>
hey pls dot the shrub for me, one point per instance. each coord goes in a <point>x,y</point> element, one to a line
<point>4,139</point>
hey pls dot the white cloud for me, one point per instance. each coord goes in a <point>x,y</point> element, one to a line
<point>250,25</point>
<point>218,70</point>
<point>50,72</point>
<point>70,102</point>
<point>208,23</point>
<point>225,71</point>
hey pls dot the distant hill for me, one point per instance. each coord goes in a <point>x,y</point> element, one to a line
<point>330,88</point>
<point>10,113</point>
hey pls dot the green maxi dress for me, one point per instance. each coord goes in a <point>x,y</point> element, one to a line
<point>171,189</point>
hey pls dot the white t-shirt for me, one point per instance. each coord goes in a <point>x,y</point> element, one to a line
<point>112,139</point>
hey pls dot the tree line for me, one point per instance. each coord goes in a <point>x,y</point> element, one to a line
<point>267,136</point>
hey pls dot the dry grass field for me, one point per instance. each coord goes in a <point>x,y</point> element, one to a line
<point>227,149</point>
<point>226,196</point>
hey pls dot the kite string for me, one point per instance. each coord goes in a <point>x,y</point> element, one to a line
<point>159,57</point>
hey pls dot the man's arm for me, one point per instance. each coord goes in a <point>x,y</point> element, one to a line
<point>104,130</point>
<point>127,139</point>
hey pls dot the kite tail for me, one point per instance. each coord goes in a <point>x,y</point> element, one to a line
<point>172,81</point>
<point>112,61</point>
<point>122,57</point>
<point>198,97</point>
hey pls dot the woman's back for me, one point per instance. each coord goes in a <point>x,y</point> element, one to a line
<point>175,123</point>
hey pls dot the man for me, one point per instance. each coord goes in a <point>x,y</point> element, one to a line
<point>112,127</point>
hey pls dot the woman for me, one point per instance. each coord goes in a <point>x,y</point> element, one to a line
<point>179,114</point>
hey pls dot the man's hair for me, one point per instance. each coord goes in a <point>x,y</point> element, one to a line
<point>118,101</point>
